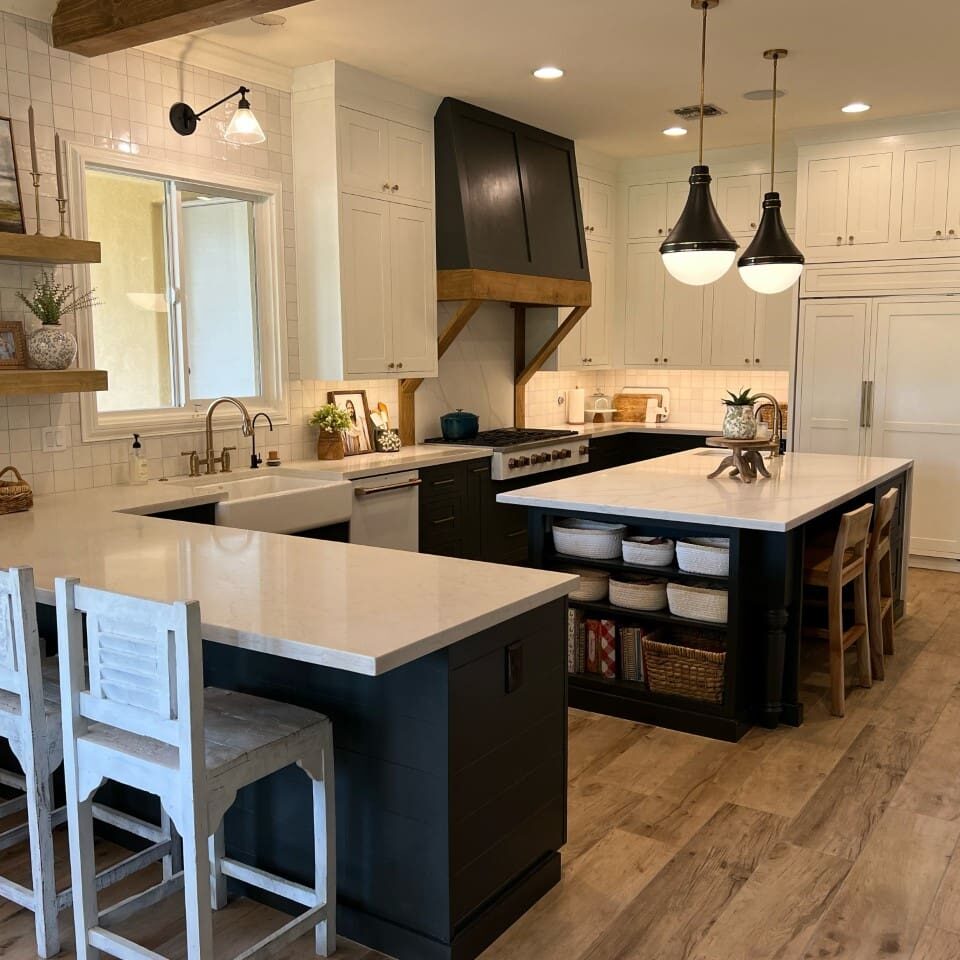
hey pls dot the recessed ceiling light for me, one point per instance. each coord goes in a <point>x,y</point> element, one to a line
<point>675,132</point>
<point>269,20</point>
<point>856,107</point>
<point>548,73</point>
<point>763,94</point>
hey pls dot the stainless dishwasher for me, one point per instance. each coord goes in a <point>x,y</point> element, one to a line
<point>386,511</point>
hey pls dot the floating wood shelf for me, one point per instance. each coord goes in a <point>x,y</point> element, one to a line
<point>31,248</point>
<point>21,382</point>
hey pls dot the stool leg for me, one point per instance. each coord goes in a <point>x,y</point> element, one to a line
<point>40,830</point>
<point>196,881</point>
<point>835,630</point>
<point>325,850</point>
<point>861,618</point>
<point>83,870</point>
<point>886,590</point>
<point>874,620</point>
<point>173,862</point>
<point>218,882</point>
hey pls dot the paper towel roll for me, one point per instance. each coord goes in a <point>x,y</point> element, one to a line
<point>575,404</point>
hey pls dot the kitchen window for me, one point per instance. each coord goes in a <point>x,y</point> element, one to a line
<point>190,290</point>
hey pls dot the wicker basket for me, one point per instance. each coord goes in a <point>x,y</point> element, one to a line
<point>16,496</point>
<point>593,585</point>
<point>704,555</point>
<point>684,671</point>
<point>630,408</point>
<point>639,594</point>
<point>697,603</point>
<point>587,538</point>
<point>648,551</point>
<point>766,414</point>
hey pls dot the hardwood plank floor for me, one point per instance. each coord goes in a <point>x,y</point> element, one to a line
<point>838,839</point>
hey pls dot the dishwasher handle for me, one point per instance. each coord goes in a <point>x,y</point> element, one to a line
<point>387,488</point>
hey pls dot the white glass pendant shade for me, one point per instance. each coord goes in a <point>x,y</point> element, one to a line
<point>698,267</point>
<point>243,127</point>
<point>771,277</point>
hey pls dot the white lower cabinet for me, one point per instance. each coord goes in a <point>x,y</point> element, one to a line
<point>877,377</point>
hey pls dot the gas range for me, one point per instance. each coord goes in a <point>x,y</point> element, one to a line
<point>519,452</point>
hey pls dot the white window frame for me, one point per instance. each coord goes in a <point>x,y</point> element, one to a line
<point>98,424</point>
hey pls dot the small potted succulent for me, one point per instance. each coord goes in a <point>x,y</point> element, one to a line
<point>50,347</point>
<point>330,420</point>
<point>739,420</point>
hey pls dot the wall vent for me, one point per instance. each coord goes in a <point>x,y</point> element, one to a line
<point>693,112</point>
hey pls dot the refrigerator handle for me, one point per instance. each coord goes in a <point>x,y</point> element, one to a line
<point>863,403</point>
<point>869,416</point>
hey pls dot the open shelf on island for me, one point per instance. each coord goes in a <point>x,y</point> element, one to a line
<point>657,616</point>
<point>671,572</point>
<point>35,248</point>
<point>20,382</point>
<point>637,689</point>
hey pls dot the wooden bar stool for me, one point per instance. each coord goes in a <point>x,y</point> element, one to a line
<point>30,722</point>
<point>880,583</point>
<point>143,719</point>
<point>834,569</point>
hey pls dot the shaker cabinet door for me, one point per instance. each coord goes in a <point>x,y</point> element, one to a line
<point>683,320</point>
<point>773,342</point>
<point>413,290</point>
<point>601,204</point>
<point>647,211</point>
<point>868,202</point>
<point>364,152</point>
<point>832,376</point>
<point>732,321</point>
<point>738,202</point>
<point>926,180</point>
<point>365,285</point>
<point>643,316</point>
<point>828,184</point>
<point>598,320</point>
<point>411,163</point>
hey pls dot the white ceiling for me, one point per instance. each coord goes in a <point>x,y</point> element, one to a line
<point>629,62</point>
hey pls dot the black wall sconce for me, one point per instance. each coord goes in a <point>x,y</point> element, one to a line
<point>243,126</point>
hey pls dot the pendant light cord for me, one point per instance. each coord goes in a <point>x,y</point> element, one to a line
<point>773,136</point>
<point>703,70</point>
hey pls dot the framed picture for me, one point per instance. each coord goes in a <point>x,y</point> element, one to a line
<point>13,346</point>
<point>358,439</point>
<point>11,204</point>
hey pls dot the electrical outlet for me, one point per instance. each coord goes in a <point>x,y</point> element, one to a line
<point>54,439</point>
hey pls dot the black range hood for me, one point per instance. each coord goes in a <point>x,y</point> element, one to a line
<point>508,200</point>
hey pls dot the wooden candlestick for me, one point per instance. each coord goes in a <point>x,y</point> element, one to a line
<point>36,196</point>
<point>62,205</point>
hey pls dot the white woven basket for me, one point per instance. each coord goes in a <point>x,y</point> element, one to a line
<point>593,585</point>
<point>587,538</point>
<point>639,595</point>
<point>696,603</point>
<point>642,550</point>
<point>704,555</point>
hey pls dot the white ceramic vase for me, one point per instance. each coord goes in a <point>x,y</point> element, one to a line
<point>740,422</point>
<point>50,347</point>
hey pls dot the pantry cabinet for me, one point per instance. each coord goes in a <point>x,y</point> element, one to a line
<point>876,378</point>
<point>598,203</point>
<point>365,227</point>
<point>589,345</point>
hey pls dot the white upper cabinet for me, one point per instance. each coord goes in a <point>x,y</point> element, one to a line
<point>597,201</point>
<point>733,322</point>
<point>786,185</point>
<point>647,211</point>
<point>365,228</point>
<point>826,201</point>
<point>684,313</point>
<point>868,198</point>
<point>774,337</point>
<point>677,193</point>
<point>386,157</point>
<point>738,202</point>
<point>926,181</point>
<point>953,196</point>
<point>588,346</point>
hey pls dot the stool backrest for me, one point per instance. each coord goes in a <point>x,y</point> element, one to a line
<point>19,639</point>
<point>144,661</point>
<point>854,534</point>
<point>881,525</point>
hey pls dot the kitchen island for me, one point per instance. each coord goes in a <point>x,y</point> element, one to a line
<point>444,679</point>
<point>767,524</point>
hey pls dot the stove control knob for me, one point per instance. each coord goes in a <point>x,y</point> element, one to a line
<point>557,454</point>
<point>584,450</point>
<point>523,461</point>
<point>539,458</point>
<point>512,463</point>
<point>566,453</point>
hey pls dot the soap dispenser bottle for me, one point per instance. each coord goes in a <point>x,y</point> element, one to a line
<point>139,469</point>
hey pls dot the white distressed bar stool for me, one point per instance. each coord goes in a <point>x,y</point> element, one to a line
<point>144,720</point>
<point>30,722</point>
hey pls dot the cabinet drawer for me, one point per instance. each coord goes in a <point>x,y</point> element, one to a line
<point>442,524</point>
<point>444,482</point>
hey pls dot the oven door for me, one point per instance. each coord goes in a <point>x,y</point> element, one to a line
<point>386,511</point>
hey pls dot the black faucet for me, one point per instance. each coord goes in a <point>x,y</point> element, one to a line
<point>255,458</point>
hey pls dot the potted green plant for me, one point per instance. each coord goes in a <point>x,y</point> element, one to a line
<point>50,347</point>
<point>330,421</point>
<point>739,419</point>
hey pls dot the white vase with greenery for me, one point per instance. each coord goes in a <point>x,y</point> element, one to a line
<point>50,346</point>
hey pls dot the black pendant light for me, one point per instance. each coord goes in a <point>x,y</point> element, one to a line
<point>699,249</point>
<point>773,262</point>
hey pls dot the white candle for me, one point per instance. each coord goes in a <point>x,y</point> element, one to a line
<point>33,141</point>
<point>61,195</point>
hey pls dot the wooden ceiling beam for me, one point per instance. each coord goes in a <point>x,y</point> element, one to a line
<point>95,27</point>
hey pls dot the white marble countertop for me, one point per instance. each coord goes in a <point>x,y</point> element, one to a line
<point>612,428</point>
<point>416,457</point>
<point>804,485</point>
<point>361,609</point>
